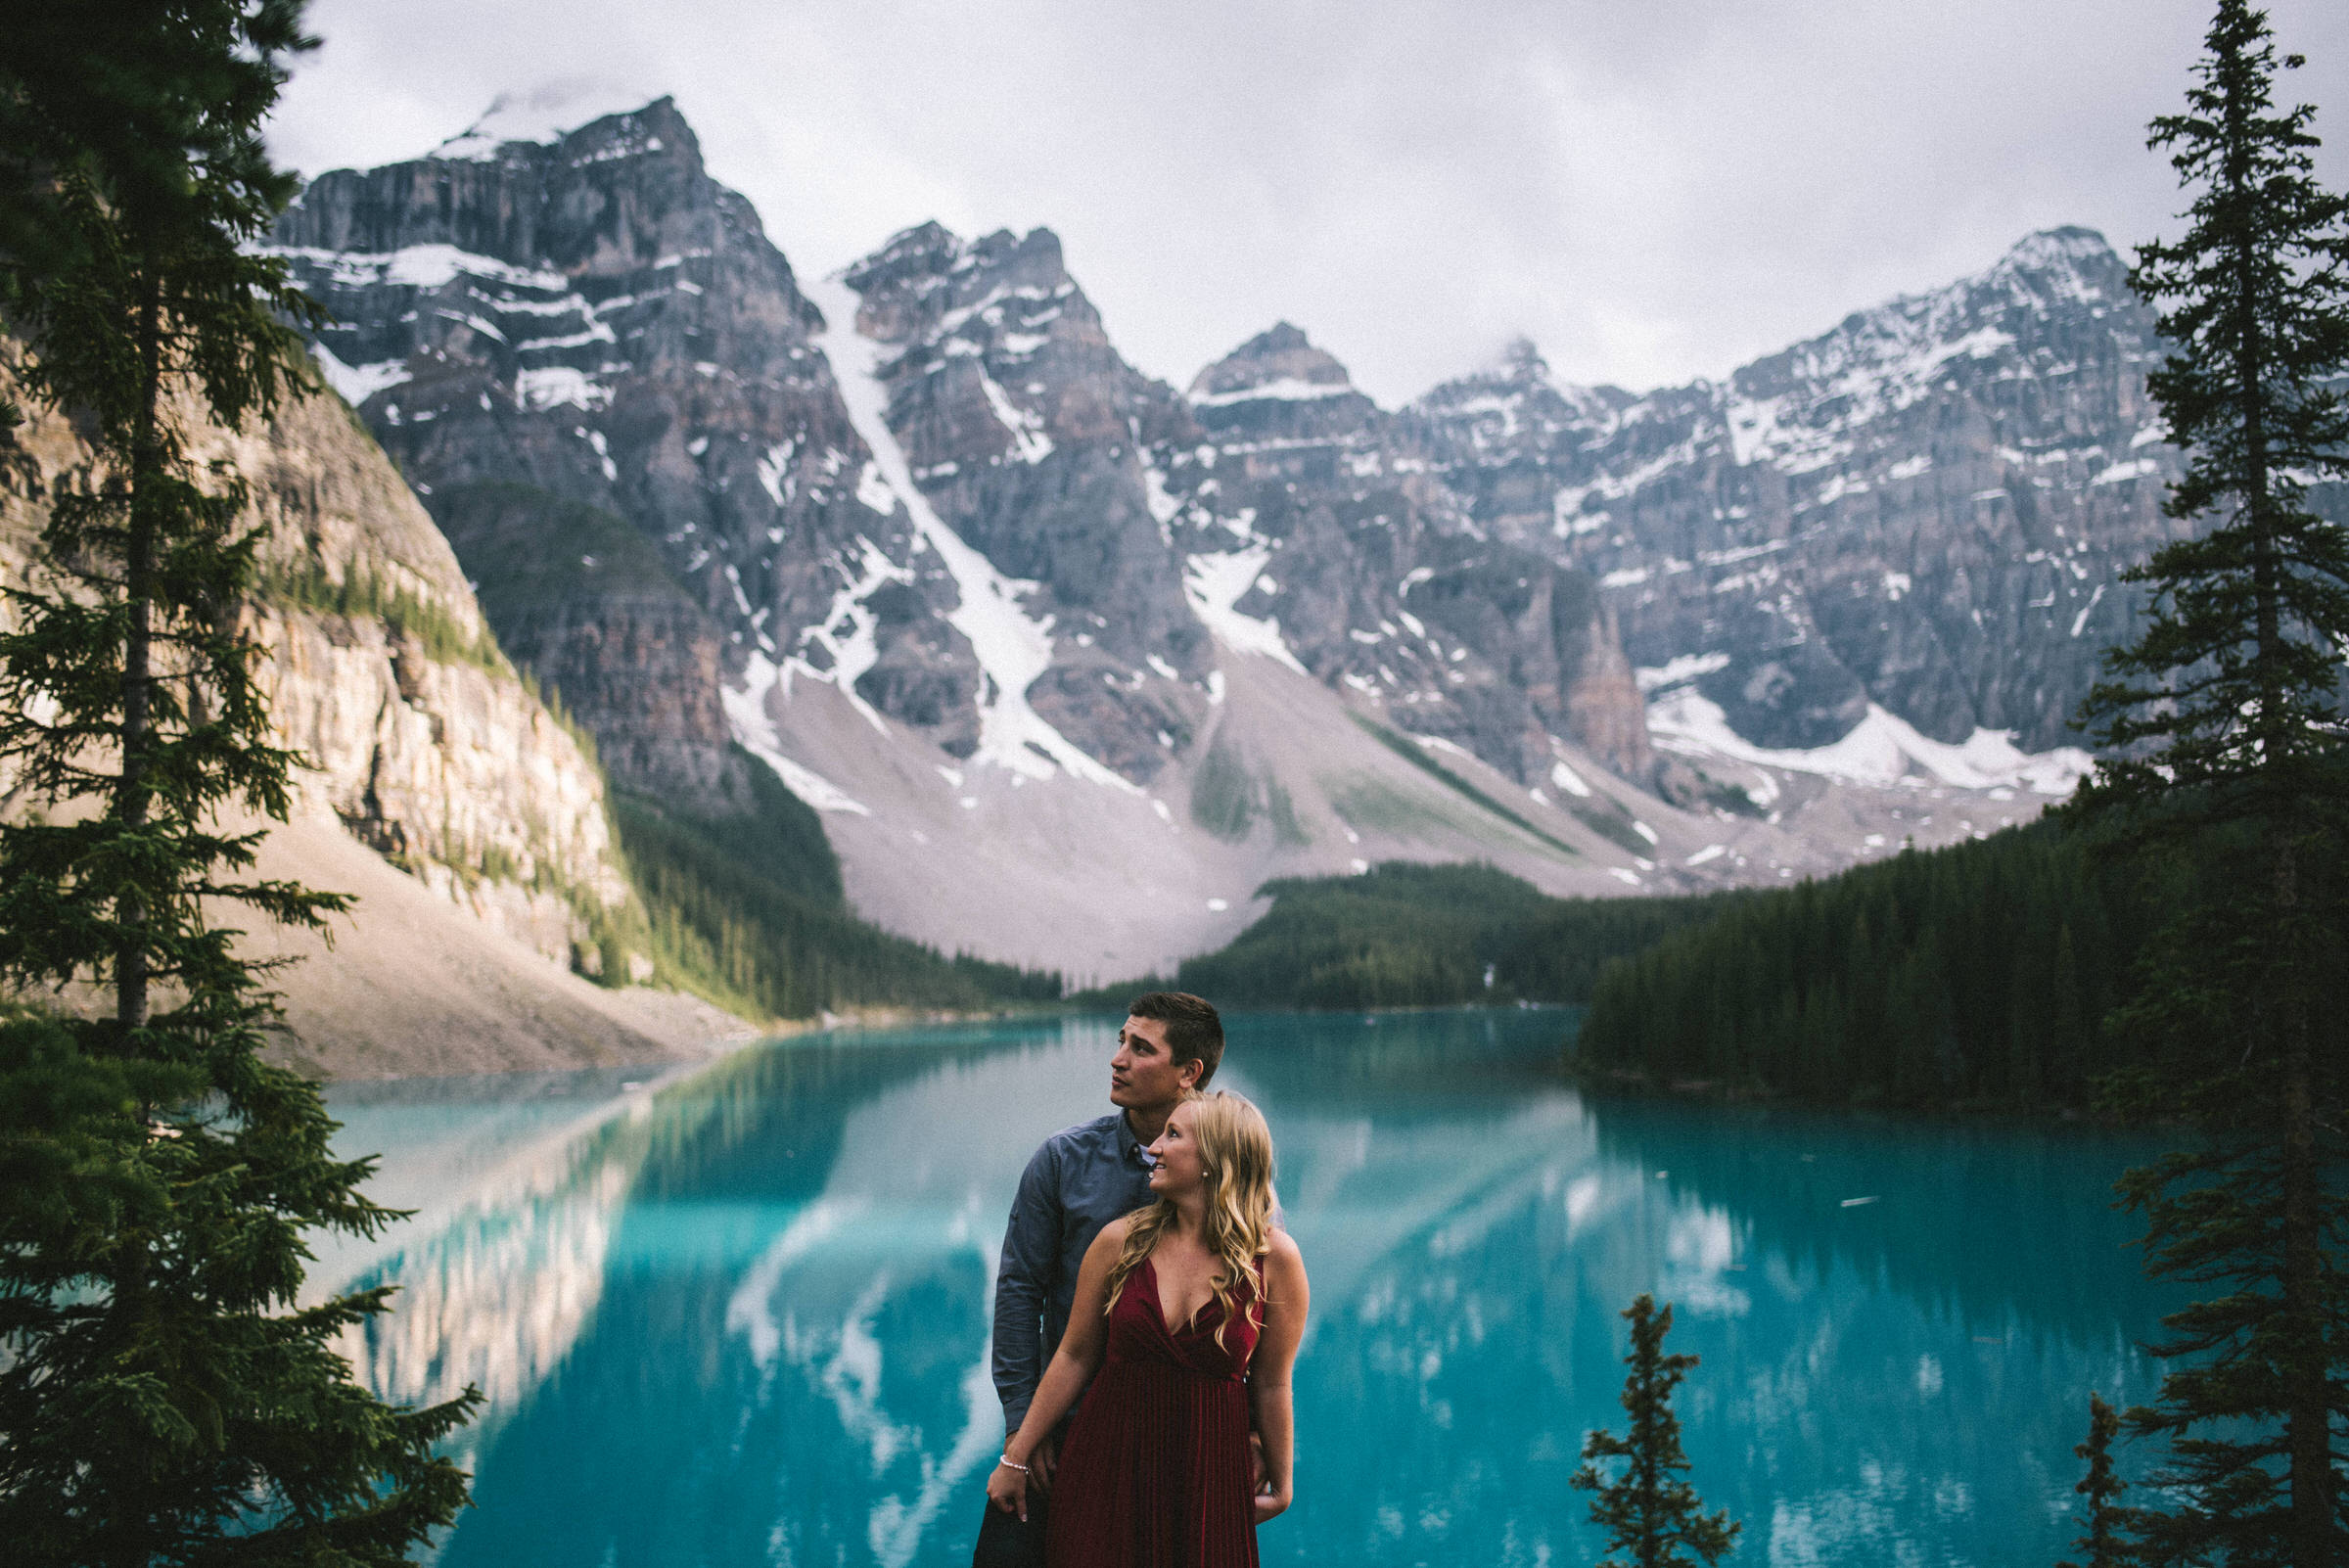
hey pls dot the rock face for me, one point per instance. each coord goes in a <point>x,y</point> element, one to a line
<point>1925,509</point>
<point>920,540</point>
<point>1002,555</point>
<point>585,601</point>
<point>424,743</point>
<point>1025,434</point>
<point>1380,578</point>
<point>598,320</point>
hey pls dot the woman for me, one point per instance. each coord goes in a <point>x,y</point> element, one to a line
<point>1192,1302</point>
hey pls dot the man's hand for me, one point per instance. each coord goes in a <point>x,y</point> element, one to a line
<point>1256,1462</point>
<point>1040,1465</point>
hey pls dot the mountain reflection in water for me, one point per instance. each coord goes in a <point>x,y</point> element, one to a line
<point>743,1318</point>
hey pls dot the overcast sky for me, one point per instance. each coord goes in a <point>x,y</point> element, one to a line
<point>1652,190</point>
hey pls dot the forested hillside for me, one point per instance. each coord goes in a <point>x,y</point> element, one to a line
<point>1975,973</point>
<point>1427,935</point>
<point>742,887</point>
<point>748,911</point>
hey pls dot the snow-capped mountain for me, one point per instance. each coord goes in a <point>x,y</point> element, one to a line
<point>535,327</point>
<point>1005,419</point>
<point>1036,632</point>
<point>918,537</point>
<point>1922,513</point>
<point>1382,583</point>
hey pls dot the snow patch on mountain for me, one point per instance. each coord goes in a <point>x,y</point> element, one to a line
<point>1678,671</point>
<point>1028,442</point>
<point>1287,389</point>
<point>747,716</point>
<point>543,113</point>
<point>358,383</point>
<point>417,266</point>
<point>1214,583</point>
<point>853,650</point>
<point>1013,649</point>
<point>1882,749</point>
<point>559,386</point>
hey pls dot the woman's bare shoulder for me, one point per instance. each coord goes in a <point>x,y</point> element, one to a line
<point>1281,1251</point>
<point>1112,1236</point>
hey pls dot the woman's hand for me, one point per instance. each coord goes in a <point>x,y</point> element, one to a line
<point>1007,1490</point>
<point>1273,1503</point>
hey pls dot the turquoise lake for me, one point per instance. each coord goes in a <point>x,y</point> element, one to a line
<point>741,1317</point>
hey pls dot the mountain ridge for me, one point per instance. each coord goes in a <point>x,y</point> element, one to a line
<point>1865,518</point>
<point>919,524</point>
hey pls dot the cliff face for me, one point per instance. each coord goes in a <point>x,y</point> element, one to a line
<point>1021,432</point>
<point>595,319</point>
<point>1382,581</point>
<point>1925,510</point>
<point>1014,617</point>
<point>1002,554</point>
<point>424,743</point>
<point>586,603</point>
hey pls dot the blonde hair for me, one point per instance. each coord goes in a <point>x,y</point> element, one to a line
<point>1235,1156</point>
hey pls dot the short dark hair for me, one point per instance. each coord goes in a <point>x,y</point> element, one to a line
<point>1194,1031</point>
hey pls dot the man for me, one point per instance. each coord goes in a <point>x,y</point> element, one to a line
<point>1081,1179</point>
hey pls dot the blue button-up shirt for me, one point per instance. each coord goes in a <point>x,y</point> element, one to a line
<point>1081,1179</point>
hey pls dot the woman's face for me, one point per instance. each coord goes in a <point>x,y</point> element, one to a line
<point>1179,1169</point>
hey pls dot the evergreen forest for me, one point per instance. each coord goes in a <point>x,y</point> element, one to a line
<point>1403,935</point>
<point>1974,974</point>
<point>744,909</point>
<point>749,912</point>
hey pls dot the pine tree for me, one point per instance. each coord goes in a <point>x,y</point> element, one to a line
<point>164,1396</point>
<point>1649,1514</point>
<point>2222,726</point>
<point>2105,1546</point>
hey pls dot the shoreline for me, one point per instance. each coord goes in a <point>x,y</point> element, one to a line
<point>690,1054</point>
<point>1630,1083</point>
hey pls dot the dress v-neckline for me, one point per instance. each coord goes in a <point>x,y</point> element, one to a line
<point>1158,1302</point>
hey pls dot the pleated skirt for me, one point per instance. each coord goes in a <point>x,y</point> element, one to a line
<point>1154,1473</point>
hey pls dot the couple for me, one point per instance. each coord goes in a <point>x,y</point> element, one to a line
<point>1144,1259</point>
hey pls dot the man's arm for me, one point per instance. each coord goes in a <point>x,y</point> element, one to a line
<point>1028,1453</point>
<point>1031,1256</point>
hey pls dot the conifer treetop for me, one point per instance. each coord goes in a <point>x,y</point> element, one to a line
<point>1652,1515</point>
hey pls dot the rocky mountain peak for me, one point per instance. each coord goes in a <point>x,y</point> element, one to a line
<point>2067,263</point>
<point>927,251</point>
<point>1278,387</point>
<point>1519,362</point>
<point>1020,431</point>
<point>1514,405</point>
<point>523,124</point>
<point>1801,409</point>
<point>928,287</point>
<point>1918,518</point>
<point>1279,362</point>
<point>594,327</point>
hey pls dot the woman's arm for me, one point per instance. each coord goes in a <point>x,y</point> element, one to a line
<point>1072,1367</point>
<point>1287,1297</point>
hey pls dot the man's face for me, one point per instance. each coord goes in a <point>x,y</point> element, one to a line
<point>1142,1074</point>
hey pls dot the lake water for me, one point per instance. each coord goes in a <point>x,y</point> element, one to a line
<point>741,1317</point>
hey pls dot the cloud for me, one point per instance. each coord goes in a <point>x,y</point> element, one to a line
<point>1652,192</point>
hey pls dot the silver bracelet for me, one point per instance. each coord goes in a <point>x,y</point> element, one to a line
<point>1008,1465</point>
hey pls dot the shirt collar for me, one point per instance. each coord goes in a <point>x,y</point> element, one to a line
<point>1131,1147</point>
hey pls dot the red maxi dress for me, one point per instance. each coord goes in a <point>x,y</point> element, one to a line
<point>1154,1473</point>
